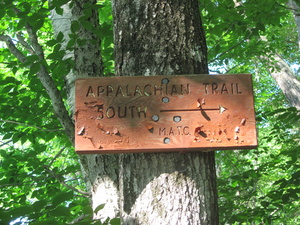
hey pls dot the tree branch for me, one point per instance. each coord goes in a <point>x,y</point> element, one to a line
<point>5,143</point>
<point>56,156</point>
<point>48,83</point>
<point>87,194</point>
<point>223,53</point>
<point>24,43</point>
<point>12,48</point>
<point>29,125</point>
<point>232,68</point>
<point>286,79</point>
<point>59,107</point>
<point>221,38</point>
<point>78,219</point>
<point>34,42</point>
<point>289,7</point>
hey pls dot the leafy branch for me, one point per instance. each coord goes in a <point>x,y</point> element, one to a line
<point>56,156</point>
<point>24,43</point>
<point>225,52</point>
<point>43,75</point>
<point>56,176</point>
<point>289,7</point>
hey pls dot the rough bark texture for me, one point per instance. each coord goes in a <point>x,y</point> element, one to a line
<point>151,38</point>
<point>86,49</point>
<point>282,73</point>
<point>287,81</point>
<point>158,37</point>
<point>101,179</point>
<point>295,7</point>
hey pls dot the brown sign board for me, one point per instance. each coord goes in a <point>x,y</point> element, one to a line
<point>164,114</point>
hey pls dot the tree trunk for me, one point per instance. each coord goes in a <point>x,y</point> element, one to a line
<point>85,51</point>
<point>295,7</point>
<point>160,38</point>
<point>287,81</point>
<point>88,62</point>
<point>152,38</point>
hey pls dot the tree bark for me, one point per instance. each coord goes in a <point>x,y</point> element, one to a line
<point>157,38</point>
<point>85,52</point>
<point>152,38</point>
<point>286,80</point>
<point>88,62</point>
<point>295,7</point>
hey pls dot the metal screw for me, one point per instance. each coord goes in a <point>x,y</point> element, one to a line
<point>167,140</point>
<point>177,119</point>
<point>165,99</point>
<point>155,118</point>
<point>165,81</point>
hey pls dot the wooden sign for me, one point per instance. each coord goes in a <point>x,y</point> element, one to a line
<point>164,113</point>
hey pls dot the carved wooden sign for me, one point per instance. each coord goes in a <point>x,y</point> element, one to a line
<point>164,113</point>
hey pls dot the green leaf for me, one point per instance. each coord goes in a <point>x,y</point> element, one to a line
<point>32,58</point>
<point>60,211</point>
<point>285,198</point>
<point>11,13</point>
<point>62,197</point>
<point>38,24</point>
<point>26,6</point>
<point>51,43</point>
<point>38,205</point>
<point>98,208</point>
<point>34,18</point>
<point>2,13</point>
<point>265,204</point>
<point>71,43</point>
<point>4,217</point>
<point>7,136</point>
<point>59,11</point>
<point>60,37</point>
<point>8,88</point>
<point>217,49</point>
<point>87,25</point>
<point>75,26</point>
<point>35,68</point>
<point>115,221</point>
<point>21,211</point>
<point>260,26</point>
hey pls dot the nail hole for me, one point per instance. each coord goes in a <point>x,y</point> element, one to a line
<point>155,118</point>
<point>177,119</point>
<point>165,99</point>
<point>165,81</point>
<point>167,140</point>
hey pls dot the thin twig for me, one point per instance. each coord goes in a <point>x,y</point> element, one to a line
<point>5,143</point>
<point>287,7</point>
<point>30,125</point>
<point>220,39</point>
<point>66,185</point>
<point>78,219</point>
<point>223,53</point>
<point>232,68</point>
<point>56,156</point>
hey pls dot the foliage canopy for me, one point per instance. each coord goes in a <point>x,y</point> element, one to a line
<point>40,177</point>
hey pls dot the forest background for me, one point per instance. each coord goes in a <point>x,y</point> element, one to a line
<point>40,179</point>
